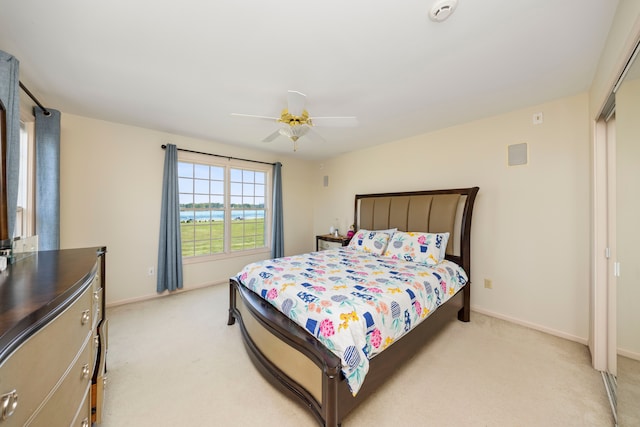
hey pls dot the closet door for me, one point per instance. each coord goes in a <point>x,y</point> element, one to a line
<point>627,207</point>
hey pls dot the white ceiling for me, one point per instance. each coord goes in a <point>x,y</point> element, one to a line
<point>184,66</point>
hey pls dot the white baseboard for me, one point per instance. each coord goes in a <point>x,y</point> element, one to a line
<point>531,325</point>
<point>629,354</point>
<point>164,294</point>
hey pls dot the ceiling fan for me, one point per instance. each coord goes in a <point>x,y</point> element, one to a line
<point>296,122</point>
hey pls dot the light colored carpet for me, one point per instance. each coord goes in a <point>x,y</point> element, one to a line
<point>173,361</point>
<point>628,392</point>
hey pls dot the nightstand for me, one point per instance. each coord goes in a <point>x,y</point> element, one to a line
<point>329,241</point>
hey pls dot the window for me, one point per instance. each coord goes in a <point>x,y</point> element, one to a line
<point>223,206</point>
<point>25,212</point>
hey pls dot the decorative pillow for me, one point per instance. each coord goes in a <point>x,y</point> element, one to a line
<point>369,241</point>
<point>423,248</point>
<point>389,231</point>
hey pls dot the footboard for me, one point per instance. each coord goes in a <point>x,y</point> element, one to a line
<point>296,363</point>
<point>286,355</point>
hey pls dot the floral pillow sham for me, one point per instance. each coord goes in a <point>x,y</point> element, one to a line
<point>423,248</point>
<point>373,242</point>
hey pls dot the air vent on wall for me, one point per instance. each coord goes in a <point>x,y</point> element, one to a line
<point>442,9</point>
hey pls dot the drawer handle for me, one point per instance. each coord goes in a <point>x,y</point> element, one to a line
<point>96,296</point>
<point>86,315</point>
<point>9,403</point>
<point>104,382</point>
<point>96,341</point>
<point>85,371</point>
<point>85,422</point>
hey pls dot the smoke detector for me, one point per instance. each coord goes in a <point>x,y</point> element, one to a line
<point>442,9</point>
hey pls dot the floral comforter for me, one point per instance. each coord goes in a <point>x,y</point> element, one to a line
<point>355,303</point>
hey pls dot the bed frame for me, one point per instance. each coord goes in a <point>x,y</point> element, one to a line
<point>295,362</point>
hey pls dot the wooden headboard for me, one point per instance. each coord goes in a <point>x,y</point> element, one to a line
<point>435,211</point>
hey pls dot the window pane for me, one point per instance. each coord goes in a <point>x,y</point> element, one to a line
<point>217,201</point>
<point>259,201</point>
<point>217,229</point>
<point>185,185</point>
<point>236,175</point>
<point>247,189</point>
<point>260,177</point>
<point>217,173</point>
<point>203,230</point>
<point>201,186</point>
<point>202,247</point>
<point>186,200</point>
<point>217,187</point>
<point>259,190</point>
<point>248,176</point>
<point>187,216</point>
<point>201,200</point>
<point>201,171</point>
<point>236,201</point>
<point>235,189</point>
<point>185,169</point>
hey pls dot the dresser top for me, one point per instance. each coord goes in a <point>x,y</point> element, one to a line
<point>37,288</point>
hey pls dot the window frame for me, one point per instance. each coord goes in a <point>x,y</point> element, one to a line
<point>227,164</point>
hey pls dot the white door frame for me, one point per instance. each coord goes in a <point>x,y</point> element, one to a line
<point>602,339</point>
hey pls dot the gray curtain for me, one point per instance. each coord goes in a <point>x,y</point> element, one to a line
<point>277,227</point>
<point>9,85</point>
<point>47,128</point>
<point>170,246</point>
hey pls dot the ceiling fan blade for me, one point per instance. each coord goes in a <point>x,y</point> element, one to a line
<point>315,137</point>
<point>251,116</point>
<point>295,102</point>
<point>272,136</point>
<point>342,122</point>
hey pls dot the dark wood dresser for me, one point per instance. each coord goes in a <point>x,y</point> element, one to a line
<point>53,339</point>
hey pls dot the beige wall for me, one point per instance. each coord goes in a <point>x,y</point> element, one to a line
<point>111,184</point>
<point>531,223</point>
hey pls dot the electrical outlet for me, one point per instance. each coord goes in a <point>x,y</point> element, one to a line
<point>151,271</point>
<point>488,284</point>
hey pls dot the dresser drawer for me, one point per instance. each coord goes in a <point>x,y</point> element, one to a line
<point>62,407</point>
<point>83,418</point>
<point>37,366</point>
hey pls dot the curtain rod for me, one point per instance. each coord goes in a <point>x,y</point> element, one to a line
<point>44,110</point>
<point>219,155</point>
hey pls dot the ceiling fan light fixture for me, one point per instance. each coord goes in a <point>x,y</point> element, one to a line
<point>294,133</point>
<point>442,10</point>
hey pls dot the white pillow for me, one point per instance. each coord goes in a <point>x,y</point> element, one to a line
<point>423,248</point>
<point>374,242</point>
<point>389,231</point>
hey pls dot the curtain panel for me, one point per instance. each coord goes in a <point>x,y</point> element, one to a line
<point>47,139</point>
<point>277,226</point>
<point>9,96</point>
<point>170,245</point>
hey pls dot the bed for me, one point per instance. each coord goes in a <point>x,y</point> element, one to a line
<point>296,357</point>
